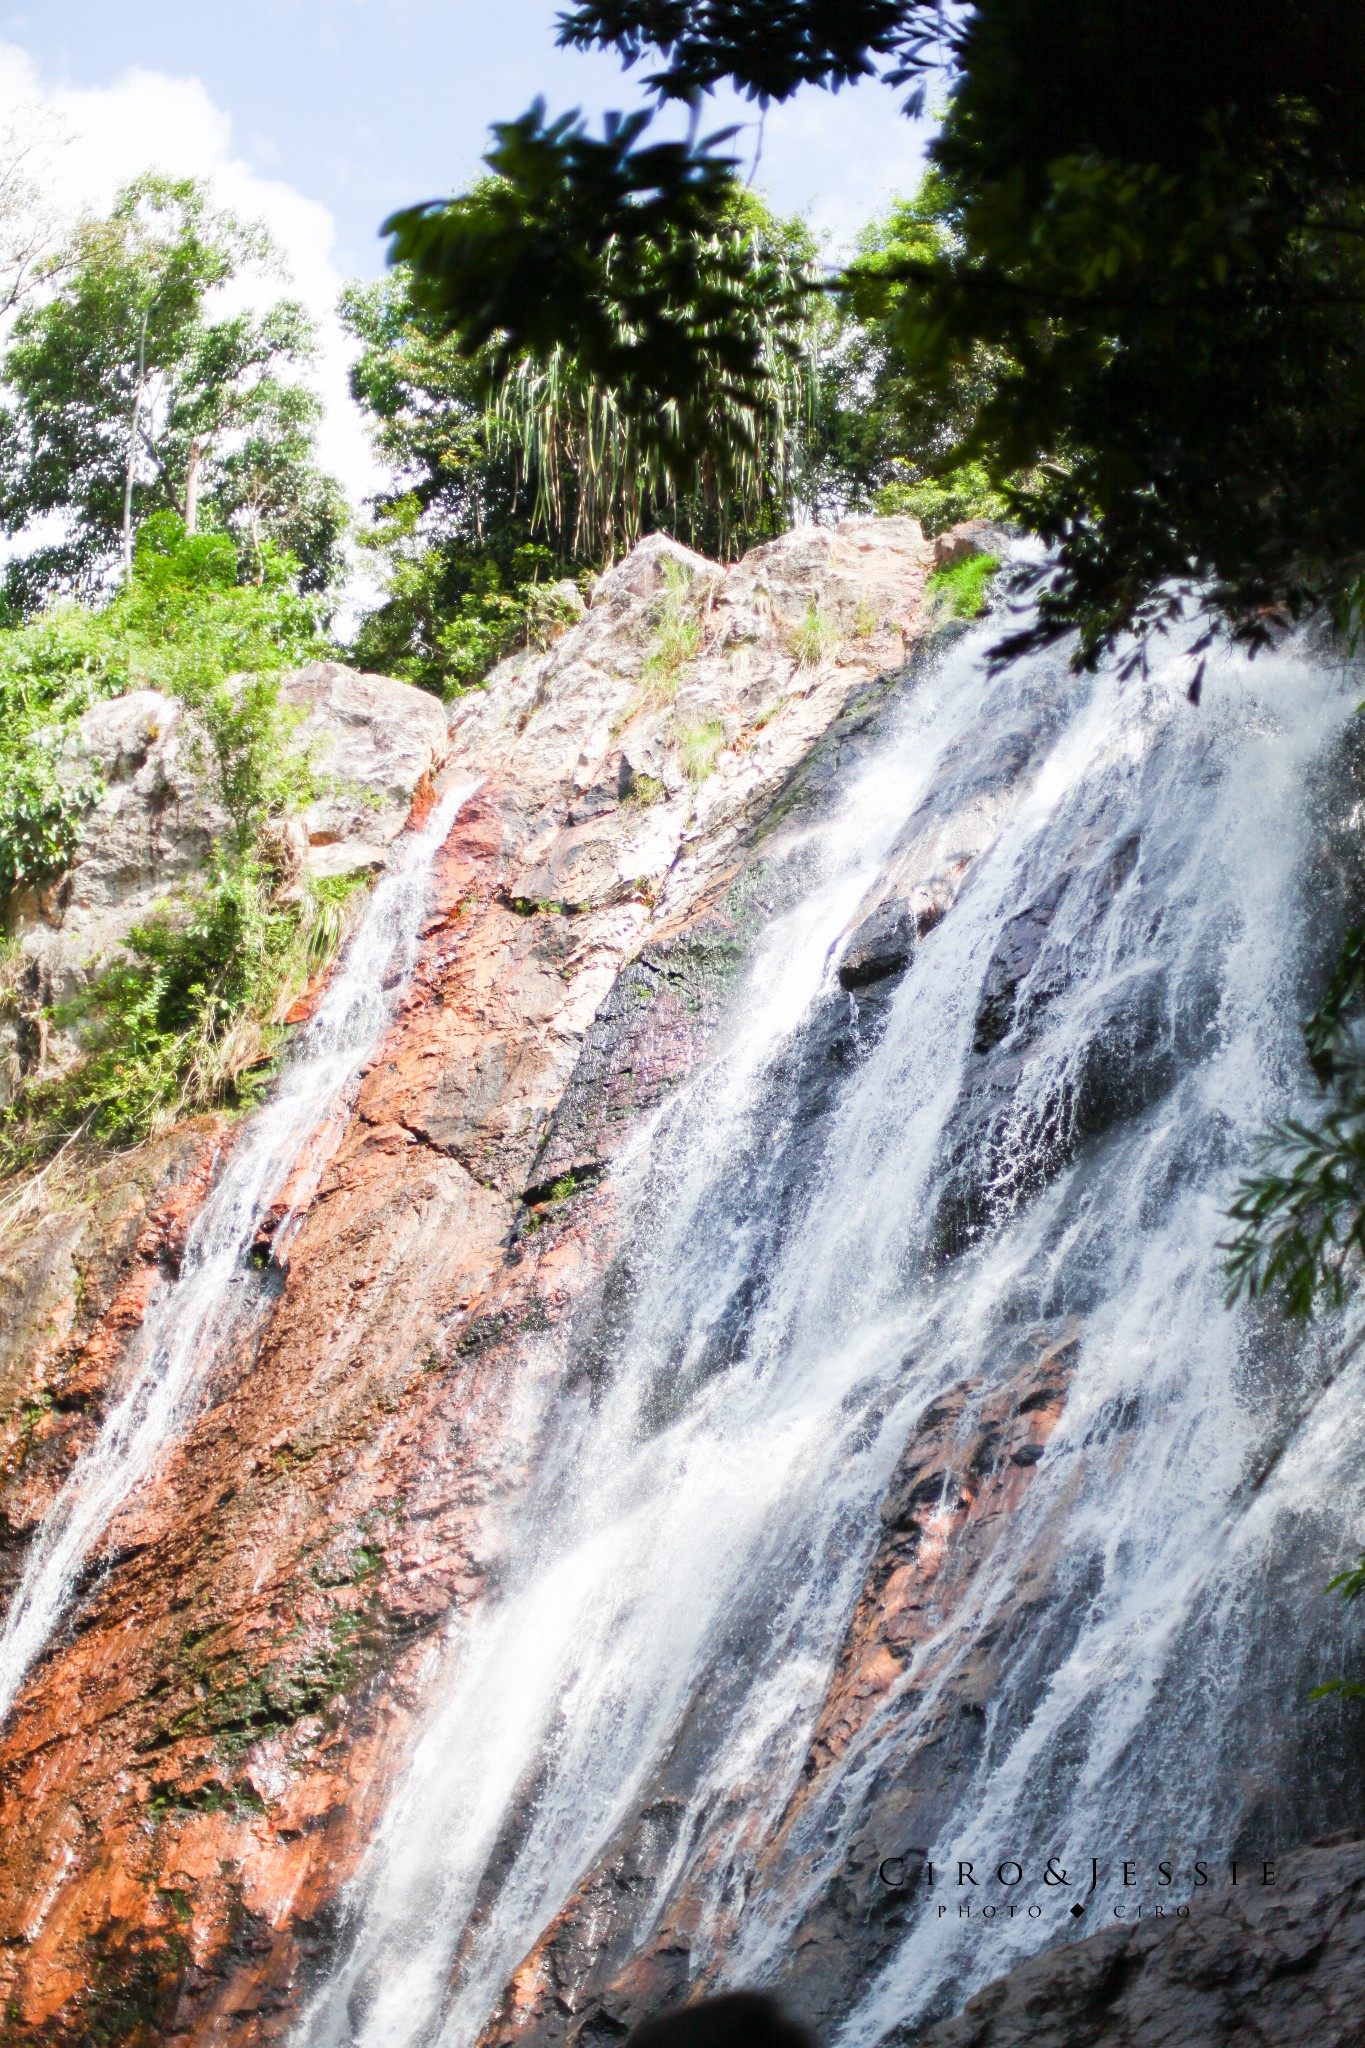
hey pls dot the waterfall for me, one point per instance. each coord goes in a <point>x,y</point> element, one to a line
<point>217,1294</point>
<point>824,1246</point>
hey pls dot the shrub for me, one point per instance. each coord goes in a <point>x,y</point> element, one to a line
<point>39,817</point>
<point>190,1016</point>
<point>940,502</point>
<point>189,1020</point>
<point>815,639</point>
<point>961,587</point>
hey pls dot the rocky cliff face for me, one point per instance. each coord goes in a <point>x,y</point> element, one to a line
<point>1278,1966</point>
<point>193,1771</point>
<point>371,742</point>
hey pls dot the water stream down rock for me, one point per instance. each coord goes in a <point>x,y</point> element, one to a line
<point>743,1395</point>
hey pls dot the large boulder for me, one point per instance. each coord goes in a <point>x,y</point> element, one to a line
<point>1280,1966</point>
<point>612,761</point>
<point>372,742</point>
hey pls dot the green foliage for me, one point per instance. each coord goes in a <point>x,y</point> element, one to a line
<point>189,1020</point>
<point>1184,380</point>
<point>465,578</point>
<point>815,638</point>
<point>551,1195</point>
<point>602,474</point>
<point>1141,314</point>
<point>939,502</point>
<point>453,536</point>
<point>191,1016</point>
<point>676,639</point>
<point>767,57</point>
<point>880,442</point>
<point>1302,1214</point>
<point>512,467</point>
<point>700,747</point>
<point>643,319</point>
<point>121,382</point>
<point>962,586</point>
<point>186,626</point>
<point>629,271</point>
<point>39,815</point>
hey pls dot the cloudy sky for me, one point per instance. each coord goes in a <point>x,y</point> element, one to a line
<point>321,116</point>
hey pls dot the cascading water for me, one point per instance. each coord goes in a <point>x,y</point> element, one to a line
<point>217,1293</point>
<point>855,1207</point>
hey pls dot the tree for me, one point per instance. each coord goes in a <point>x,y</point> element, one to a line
<point>454,528</point>
<point>127,395</point>
<point>881,441</point>
<point>643,302</point>
<point>29,231</point>
<point>598,477</point>
<point>510,470</point>
<point>1156,236</point>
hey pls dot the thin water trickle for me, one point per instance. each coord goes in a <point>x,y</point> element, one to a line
<point>212,1301</point>
<point>822,1249</point>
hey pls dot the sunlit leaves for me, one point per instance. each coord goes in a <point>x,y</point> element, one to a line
<point>621,257</point>
<point>133,358</point>
<point>767,51</point>
<point>1302,1213</point>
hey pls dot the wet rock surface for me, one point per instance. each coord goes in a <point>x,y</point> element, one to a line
<point>1278,1967</point>
<point>82,1256</point>
<point>192,1773</point>
<point>965,1470</point>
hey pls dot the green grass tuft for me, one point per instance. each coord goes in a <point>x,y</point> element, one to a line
<point>815,639</point>
<point>677,637</point>
<point>700,747</point>
<point>961,588</point>
<point>646,790</point>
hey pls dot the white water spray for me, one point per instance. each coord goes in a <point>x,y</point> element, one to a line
<point>192,1319</point>
<point>825,1247</point>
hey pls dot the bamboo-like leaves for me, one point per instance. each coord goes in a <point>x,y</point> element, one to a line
<point>562,422</point>
<point>643,326</point>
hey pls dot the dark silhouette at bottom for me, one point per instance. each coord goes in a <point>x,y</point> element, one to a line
<point>739,2019</point>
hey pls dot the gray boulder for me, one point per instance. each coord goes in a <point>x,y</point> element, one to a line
<point>1277,1966</point>
<point>371,740</point>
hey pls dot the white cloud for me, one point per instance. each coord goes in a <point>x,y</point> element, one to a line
<point>146,120</point>
<point>841,157</point>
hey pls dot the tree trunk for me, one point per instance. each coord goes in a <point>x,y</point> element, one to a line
<point>192,488</point>
<point>133,426</point>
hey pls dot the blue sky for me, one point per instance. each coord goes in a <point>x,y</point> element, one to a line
<point>364,105</point>
<point>319,117</point>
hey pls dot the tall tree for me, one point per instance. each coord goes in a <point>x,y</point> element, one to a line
<point>130,389</point>
<point>644,303</point>
<point>509,469</point>
<point>453,530</point>
<point>881,439</point>
<point>30,230</point>
<point>1157,235</point>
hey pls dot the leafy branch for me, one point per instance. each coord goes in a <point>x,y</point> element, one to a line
<point>1302,1215</point>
